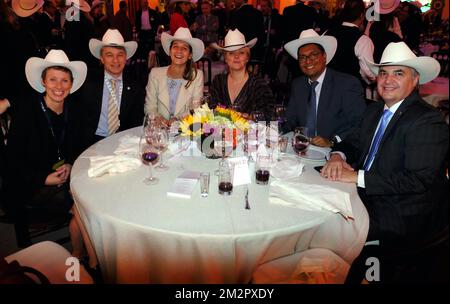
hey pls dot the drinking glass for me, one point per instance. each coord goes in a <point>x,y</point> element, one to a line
<point>225,183</point>
<point>258,116</point>
<point>160,140</point>
<point>301,140</point>
<point>204,184</point>
<point>262,168</point>
<point>279,115</point>
<point>149,157</point>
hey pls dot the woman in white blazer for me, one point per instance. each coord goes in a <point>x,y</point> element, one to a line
<point>175,89</point>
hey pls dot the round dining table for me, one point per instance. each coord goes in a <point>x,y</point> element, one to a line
<point>139,234</point>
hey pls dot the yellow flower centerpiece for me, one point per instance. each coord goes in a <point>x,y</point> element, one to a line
<point>206,122</point>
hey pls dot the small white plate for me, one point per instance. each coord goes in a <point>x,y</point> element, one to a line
<point>313,155</point>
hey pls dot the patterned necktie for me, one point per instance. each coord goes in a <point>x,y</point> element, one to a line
<point>113,111</point>
<point>377,139</point>
<point>311,109</point>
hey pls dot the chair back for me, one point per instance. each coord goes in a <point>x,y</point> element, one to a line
<point>442,57</point>
<point>204,64</point>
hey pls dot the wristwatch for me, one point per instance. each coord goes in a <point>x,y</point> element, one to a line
<point>333,141</point>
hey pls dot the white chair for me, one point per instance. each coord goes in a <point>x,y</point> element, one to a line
<point>50,259</point>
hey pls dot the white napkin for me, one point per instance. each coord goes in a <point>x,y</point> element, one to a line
<point>112,164</point>
<point>126,157</point>
<point>287,168</point>
<point>129,145</point>
<point>310,197</point>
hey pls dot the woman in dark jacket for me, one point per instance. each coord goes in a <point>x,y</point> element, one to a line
<point>42,143</point>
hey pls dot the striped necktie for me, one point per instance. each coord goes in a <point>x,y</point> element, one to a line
<point>113,111</point>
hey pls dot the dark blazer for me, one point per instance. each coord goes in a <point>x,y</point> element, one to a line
<point>297,18</point>
<point>341,104</point>
<point>31,149</point>
<point>89,105</point>
<point>406,191</point>
<point>154,20</point>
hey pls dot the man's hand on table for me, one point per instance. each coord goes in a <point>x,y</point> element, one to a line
<point>336,169</point>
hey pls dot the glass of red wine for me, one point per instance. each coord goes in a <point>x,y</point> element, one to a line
<point>262,168</point>
<point>301,140</point>
<point>225,183</point>
<point>160,141</point>
<point>149,157</point>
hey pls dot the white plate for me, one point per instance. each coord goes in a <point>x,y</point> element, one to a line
<point>313,155</point>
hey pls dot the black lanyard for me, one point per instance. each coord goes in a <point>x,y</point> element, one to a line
<point>50,127</point>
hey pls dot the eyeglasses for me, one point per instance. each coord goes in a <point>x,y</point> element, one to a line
<point>312,57</point>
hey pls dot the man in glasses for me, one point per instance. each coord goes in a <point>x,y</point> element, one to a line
<point>328,102</point>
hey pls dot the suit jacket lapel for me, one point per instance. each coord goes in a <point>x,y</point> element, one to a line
<point>325,99</point>
<point>125,98</point>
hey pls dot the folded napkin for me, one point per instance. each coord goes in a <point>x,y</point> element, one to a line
<point>129,145</point>
<point>112,164</point>
<point>126,157</point>
<point>287,168</point>
<point>310,197</point>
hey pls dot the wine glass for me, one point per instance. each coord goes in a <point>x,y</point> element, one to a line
<point>160,140</point>
<point>279,115</point>
<point>148,124</point>
<point>257,116</point>
<point>149,157</point>
<point>301,140</point>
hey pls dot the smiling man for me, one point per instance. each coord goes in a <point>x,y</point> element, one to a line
<point>397,156</point>
<point>110,102</point>
<point>328,102</point>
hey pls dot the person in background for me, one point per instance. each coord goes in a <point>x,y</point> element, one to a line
<point>174,90</point>
<point>328,102</point>
<point>177,19</point>
<point>147,22</point>
<point>237,88</point>
<point>396,158</point>
<point>109,101</point>
<point>207,24</point>
<point>101,22</point>
<point>43,143</point>
<point>122,22</point>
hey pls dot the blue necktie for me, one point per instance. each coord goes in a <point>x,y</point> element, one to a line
<point>378,136</point>
<point>311,109</point>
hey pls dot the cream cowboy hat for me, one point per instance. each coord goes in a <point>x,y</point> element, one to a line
<point>80,4</point>
<point>35,66</point>
<point>385,6</point>
<point>112,38</point>
<point>329,43</point>
<point>183,34</point>
<point>25,8</point>
<point>398,53</point>
<point>234,40</point>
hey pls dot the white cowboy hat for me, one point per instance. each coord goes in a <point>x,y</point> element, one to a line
<point>398,53</point>
<point>112,38</point>
<point>25,8</point>
<point>385,6</point>
<point>35,66</point>
<point>329,43</point>
<point>183,34</point>
<point>234,40</point>
<point>80,4</point>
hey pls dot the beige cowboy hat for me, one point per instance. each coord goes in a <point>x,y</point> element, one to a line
<point>112,37</point>
<point>234,40</point>
<point>398,53</point>
<point>35,66</point>
<point>329,43</point>
<point>25,8</point>
<point>183,34</point>
<point>385,6</point>
<point>80,4</point>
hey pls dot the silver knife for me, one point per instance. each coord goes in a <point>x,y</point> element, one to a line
<point>247,205</point>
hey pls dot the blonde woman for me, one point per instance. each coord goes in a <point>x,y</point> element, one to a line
<point>175,89</point>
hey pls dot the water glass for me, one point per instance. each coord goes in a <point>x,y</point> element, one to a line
<point>225,182</point>
<point>262,168</point>
<point>204,184</point>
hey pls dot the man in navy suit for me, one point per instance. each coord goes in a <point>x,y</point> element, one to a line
<point>95,97</point>
<point>328,102</point>
<point>147,22</point>
<point>397,155</point>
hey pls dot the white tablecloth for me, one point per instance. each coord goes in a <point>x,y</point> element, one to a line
<point>142,236</point>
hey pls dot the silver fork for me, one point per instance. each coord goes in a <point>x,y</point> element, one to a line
<point>247,205</point>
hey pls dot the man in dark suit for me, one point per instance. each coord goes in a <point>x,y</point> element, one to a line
<point>297,18</point>
<point>147,22</point>
<point>397,155</point>
<point>249,21</point>
<point>328,102</point>
<point>110,95</point>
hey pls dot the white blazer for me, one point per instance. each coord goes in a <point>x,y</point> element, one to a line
<point>157,94</point>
